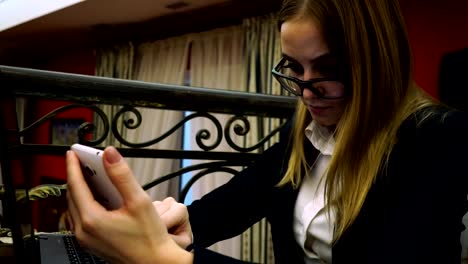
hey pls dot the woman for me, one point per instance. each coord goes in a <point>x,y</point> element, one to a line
<point>372,171</point>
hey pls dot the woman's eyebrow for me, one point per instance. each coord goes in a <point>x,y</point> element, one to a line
<point>322,58</point>
<point>287,57</point>
<point>327,57</point>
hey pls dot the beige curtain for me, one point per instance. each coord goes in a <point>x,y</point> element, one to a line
<point>216,62</point>
<point>163,61</point>
<point>235,58</point>
<point>238,58</point>
<point>114,62</point>
<point>262,52</point>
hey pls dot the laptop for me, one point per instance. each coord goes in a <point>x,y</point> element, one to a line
<point>58,248</point>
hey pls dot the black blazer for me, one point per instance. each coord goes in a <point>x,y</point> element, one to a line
<point>412,213</point>
<point>453,79</point>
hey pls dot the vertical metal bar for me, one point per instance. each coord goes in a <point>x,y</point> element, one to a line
<point>9,201</point>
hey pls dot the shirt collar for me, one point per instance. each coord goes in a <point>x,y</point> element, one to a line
<point>320,137</point>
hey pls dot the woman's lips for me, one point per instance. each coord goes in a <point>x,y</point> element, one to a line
<point>318,109</point>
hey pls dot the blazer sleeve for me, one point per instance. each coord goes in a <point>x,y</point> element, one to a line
<point>413,213</point>
<point>203,256</point>
<point>235,206</point>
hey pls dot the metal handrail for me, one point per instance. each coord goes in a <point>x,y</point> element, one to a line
<point>101,90</point>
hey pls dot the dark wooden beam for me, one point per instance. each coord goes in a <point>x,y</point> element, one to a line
<point>42,45</point>
<point>211,17</point>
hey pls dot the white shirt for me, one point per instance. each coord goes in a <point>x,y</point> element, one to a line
<point>313,226</point>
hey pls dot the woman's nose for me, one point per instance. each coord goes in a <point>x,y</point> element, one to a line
<point>307,93</point>
<point>308,75</point>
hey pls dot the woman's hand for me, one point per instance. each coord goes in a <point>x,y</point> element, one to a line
<point>132,234</point>
<point>175,216</point>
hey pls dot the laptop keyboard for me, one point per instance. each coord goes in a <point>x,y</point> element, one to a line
<point>77,254</point>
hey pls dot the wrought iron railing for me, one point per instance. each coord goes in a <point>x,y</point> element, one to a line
<point>89,92</point>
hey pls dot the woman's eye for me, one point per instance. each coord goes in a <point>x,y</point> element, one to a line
<point>293,68</point>
<point>326,70</point>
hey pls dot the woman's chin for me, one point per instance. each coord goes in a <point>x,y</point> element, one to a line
<point>324,120</point>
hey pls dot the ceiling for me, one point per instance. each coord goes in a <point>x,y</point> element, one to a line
<point>98,12</point>
<point>99,21</point>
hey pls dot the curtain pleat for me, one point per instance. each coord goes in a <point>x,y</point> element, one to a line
<point>162,61</point>
<point>262,52</point>
<point>114,62</point>
<point>216,62</point>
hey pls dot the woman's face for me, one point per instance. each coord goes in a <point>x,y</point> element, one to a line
<point>309,57</point>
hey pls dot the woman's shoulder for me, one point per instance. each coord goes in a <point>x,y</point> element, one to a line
<point>434,140</point>
<point>435,122</point>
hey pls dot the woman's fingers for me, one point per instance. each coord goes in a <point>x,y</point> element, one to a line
<point>163,206</point>
<point>182,241</point>
<point>84,210</point>
<point>73,214</point>
<point>121,175</point>
<point>69,220</point>
<point>136,222</point>
<point>175,216</point>
<point>79,191</point>
<point>172,213</point>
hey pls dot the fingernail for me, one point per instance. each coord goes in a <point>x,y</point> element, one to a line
<point>112,155</point>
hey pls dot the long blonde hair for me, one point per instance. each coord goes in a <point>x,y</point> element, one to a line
<point>370,39</point>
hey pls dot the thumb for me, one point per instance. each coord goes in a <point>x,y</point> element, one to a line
<point>120,174</point>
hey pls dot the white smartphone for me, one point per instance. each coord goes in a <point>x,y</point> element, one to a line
<point>96,177</point>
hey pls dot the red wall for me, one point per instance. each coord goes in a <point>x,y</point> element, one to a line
<point>435,27</point>
<point>81,62</point>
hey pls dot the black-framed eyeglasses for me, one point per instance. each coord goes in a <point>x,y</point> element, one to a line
<point>324,88</point>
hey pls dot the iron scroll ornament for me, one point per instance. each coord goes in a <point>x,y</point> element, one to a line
<point>131,123</point>
<point>206,168</point>
<point>244,130</point>
<point>83,130</point>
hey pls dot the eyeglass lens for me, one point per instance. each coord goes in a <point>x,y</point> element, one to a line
<point>328,88</point>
